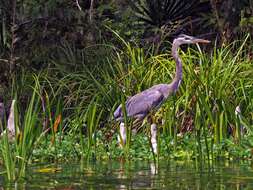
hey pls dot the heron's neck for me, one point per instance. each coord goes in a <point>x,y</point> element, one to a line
<point>178,77</point>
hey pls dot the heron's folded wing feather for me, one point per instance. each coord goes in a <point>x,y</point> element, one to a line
<point>144,102</point>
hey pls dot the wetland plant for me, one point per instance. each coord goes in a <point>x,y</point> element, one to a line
<point>16,153</point>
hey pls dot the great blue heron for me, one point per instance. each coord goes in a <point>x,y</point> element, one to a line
<point>145,102</point>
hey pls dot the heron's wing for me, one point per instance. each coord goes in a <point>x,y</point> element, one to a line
<point>144,102</point>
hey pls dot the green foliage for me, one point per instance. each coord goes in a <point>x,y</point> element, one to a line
<point>200,120</point>
<point>160,13</point>
<point>32,31</point>
<point>17,156</point>
<point>162,20</point>
<point>90,121</point>
<point>203,109</point>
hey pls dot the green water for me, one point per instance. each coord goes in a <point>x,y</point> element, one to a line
<point>137,175</point>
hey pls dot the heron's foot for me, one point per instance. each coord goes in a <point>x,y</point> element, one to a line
<point>122,135</point>
<point>153,132</point>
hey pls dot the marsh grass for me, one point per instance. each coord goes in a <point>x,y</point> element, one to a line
<point>89,121</point>
<point>16,153</point>
<point>199,120</point>
<point>204,107</point>
<point>7,156</point>
<point>212,88</point>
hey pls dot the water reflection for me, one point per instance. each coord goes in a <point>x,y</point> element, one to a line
<point>137,175</point>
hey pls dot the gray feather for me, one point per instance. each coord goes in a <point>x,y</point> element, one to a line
<point>139,105</point>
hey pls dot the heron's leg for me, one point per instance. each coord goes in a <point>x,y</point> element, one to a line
<point>122,135</point>
<point>153,134</point>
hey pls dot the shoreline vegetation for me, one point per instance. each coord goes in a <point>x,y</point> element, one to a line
<point>65,66</point>
<point>209,118</point>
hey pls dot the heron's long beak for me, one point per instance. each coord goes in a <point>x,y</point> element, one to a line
<point>198,40</point>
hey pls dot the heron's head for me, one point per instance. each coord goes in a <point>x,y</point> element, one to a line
<point>185,39</point>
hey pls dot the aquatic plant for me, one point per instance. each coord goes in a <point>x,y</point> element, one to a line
<point>16,153</point>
